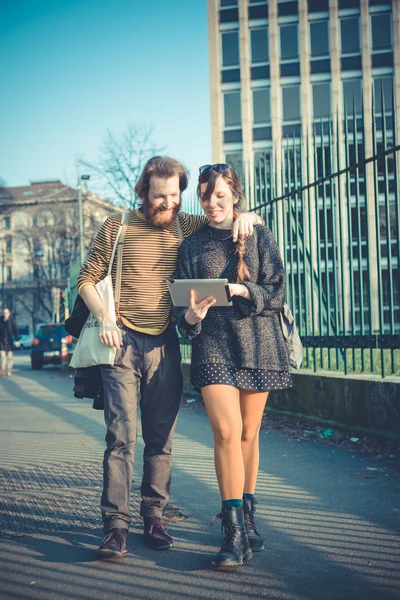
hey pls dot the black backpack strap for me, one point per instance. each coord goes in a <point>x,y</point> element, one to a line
<point>229,260</point>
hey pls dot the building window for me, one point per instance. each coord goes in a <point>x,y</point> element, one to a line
<point>383,85</point>
<point>233,136</point>
<point>350,35</point>
<point>9,274</point>
<point>259,45</point>
<point>8,245</point>
<point>289,42</point>
<point>260,11</point>
<point>235,159</point>
<point>229,15</point>
<point>230,75</point>
<point>223,3</point>
<point>319,38</point>
<point>232,109</point>
<point>230,49</point>
<point>349,4</point>
<point>261,106</point>
<point>321,93</point>
<point>318,5</point>
<point>352,96</point>
<point>381,31</point>
<point>7,223</point>
<point>287,7</point>
<point>291,103</point>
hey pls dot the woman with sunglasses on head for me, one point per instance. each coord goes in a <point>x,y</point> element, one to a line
<point>238,352</point>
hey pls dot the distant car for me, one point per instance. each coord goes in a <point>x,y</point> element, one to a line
<point>25,341</point>
<point>51,346</point>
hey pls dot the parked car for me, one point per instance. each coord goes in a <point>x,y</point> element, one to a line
<point>25,341</point>
<point>51,346</point>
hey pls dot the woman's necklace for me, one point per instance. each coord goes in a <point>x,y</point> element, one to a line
<point>218,239</point>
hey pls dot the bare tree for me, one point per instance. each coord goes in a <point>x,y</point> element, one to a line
<point>120,162</point>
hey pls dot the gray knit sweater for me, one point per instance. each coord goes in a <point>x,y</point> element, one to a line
<point>248,334</point>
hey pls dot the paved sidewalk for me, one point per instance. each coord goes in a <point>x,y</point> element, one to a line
<point>331,523</point>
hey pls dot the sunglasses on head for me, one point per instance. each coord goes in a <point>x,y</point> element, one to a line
<point>218,168</point>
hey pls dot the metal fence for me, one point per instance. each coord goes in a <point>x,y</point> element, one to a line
<point>332,203</point>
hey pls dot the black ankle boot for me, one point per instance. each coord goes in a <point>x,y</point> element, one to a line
<point>255,539</point>
<point>235,548</point>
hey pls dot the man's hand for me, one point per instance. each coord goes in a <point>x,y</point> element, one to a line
<point>110,334</point>
<point>197,310</point>
<point>243,225</point>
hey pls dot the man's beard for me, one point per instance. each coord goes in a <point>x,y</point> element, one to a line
<point>158,216</point>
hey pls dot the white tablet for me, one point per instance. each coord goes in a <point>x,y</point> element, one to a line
<point>217,288</point>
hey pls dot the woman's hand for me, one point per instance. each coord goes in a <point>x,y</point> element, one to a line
<point>243,225</point>
<point>197,310</point>
<point>238,289</point>
<point>110,334</point>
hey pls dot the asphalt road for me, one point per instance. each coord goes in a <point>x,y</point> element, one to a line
<point>331,518</point>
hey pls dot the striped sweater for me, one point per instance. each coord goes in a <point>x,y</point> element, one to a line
<point>149,259</point>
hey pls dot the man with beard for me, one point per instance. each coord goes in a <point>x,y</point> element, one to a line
<point>147,365</point>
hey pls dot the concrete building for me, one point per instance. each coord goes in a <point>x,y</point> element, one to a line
<point>285,69</point>
<point>39,245</point>
<point>277,67</point>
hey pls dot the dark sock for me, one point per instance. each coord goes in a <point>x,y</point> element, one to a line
<point>232,503</point>
<point>248,496</point>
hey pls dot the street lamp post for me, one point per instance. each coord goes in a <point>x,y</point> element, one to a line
<point>3,274</point>
<point>80,210</point>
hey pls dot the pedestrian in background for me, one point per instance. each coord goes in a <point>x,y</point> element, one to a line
<point>8,338</point>
<point>238,352</point>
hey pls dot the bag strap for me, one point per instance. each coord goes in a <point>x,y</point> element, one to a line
<point>229,259</point>
<point>222,275</point>
<point>179,228</point>
<point>118,277</point>
<point>123,218</point>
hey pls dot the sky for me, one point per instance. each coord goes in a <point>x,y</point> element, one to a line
<point>72,69</point>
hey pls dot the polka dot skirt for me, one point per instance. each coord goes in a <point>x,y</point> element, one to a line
<point>244,379</point>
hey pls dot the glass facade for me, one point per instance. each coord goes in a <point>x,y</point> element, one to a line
<point>230,49</point>
<point>321,94</point>
<point>352,95</point>
<point>261,106</point>
<point>291,85</point>
<point>381,29</point>
<point>259,45</point>
<point>291,108</point>
<point>232,109</point>
<point>320,86</point>
<point>319,38</point>
<point>289,41</point>
<point>350,35</point>
<point>383,86</point>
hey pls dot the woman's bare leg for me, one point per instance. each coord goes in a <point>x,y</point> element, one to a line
<point>252,406</point>
<point>223,408</point>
